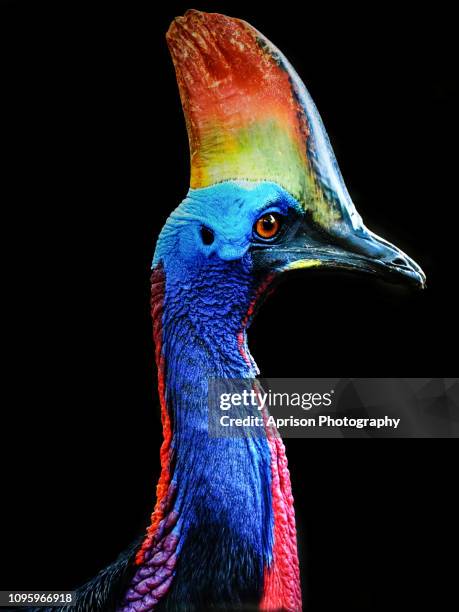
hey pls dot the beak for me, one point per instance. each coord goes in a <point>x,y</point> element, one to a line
<point>360,250</point>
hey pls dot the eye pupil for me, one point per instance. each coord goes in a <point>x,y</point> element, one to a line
<point>268,225</point>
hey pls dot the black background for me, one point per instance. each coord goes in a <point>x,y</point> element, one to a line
<point>94,159</point>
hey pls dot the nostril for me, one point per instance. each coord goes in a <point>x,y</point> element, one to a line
<point>398,261</point>
<point>207,235</point>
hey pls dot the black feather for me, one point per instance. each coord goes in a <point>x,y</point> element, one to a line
<point>102,593</point>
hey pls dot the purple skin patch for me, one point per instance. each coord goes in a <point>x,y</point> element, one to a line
<point>153,578</point>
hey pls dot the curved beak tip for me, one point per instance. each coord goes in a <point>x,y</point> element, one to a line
<point>414,277</point>
<point>403,269</point>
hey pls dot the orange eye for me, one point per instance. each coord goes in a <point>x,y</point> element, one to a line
<point>268,226</point>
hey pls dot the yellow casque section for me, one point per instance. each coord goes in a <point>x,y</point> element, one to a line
<point>260,151</point>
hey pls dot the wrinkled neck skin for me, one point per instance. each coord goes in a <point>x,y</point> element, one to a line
<point>204,325</point>
<point>220,501</point>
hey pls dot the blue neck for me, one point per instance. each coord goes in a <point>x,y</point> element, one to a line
<point>223,485</point>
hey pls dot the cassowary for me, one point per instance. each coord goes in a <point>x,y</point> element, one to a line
<point>266,197</point>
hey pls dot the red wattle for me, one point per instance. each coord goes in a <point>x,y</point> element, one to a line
<point>282,589</point>
<point>157,301</point>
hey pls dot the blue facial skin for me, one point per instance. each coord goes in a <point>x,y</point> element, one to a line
<point>223,485</point>
<point>230,210</point>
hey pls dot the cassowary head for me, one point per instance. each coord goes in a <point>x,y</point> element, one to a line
<point>266,193</point>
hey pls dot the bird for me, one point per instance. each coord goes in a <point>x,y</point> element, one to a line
<point>266,197</point>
